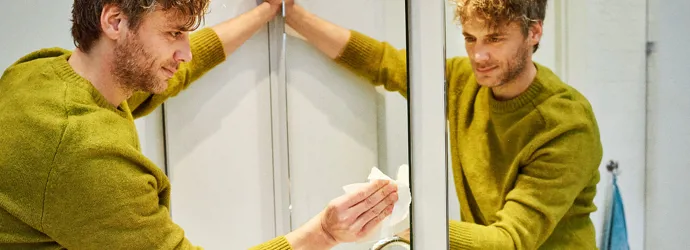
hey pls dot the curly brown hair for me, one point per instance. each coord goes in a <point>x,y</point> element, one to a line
<point>86,15</point>
<point>498,13</point>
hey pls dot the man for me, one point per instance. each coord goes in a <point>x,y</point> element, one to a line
<point>73,175</point>
<point>525,146</point>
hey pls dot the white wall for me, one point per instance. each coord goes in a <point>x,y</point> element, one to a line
<point>606,62</point>
<point>668,138</point>
<point>51,30</point>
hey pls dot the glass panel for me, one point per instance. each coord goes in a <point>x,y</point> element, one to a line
<point>529,129</point>
<point>340,125</point>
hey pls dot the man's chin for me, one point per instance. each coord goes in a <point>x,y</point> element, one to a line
<point>489,82</point>
<point>159,88</point>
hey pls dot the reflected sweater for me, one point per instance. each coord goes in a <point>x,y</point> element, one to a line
<point>525,169</point>
<point>72,172</point>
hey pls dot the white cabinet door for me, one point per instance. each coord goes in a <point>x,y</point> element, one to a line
<point>219,146</point>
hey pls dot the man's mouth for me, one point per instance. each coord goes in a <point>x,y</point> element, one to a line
<point>170,72</point>
<point>486,69</point>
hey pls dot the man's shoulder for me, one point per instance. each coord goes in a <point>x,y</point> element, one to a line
<point>34,74</point>
<point>564,105</point>
<point>38,58</point>
<point>42,128</point>
<point>32,106</point>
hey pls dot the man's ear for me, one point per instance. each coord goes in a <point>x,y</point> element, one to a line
<point>113,22</point>
<point>536,30</point>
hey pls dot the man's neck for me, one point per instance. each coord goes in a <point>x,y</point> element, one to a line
<point>95,67</point>
<point>518,85</point>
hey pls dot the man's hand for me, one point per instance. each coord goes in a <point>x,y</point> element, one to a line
<point>235,31</point>
<point>279,4</point>
<point>351,216</point>
<point>347,218</point>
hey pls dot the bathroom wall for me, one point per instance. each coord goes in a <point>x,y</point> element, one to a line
<point>668,139</point>
<point>605,54</point>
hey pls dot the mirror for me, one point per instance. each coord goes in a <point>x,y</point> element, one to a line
<point>339,124</point>
<point>496,180</point>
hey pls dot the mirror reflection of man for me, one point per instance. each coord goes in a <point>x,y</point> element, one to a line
<point>525,146</point>
<point>73,175</point>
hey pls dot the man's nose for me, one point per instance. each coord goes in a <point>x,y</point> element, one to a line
<point>184,54</point>
<point>481,54</point>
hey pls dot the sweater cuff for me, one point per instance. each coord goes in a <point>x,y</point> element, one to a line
<point>278,243</point>
<point>207,48</point>
<point>460,236</point>
<point>360,52</point>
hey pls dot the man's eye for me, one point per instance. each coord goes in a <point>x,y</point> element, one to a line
<point>175,34</point>
<point>469,39</point>
<point>494,39</point>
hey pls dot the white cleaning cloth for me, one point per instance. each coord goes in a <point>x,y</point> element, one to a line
<point>401,209</point>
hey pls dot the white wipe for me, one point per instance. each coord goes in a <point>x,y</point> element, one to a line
<point>401,209</point>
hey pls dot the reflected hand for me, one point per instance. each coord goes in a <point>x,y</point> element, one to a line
<point>351,217</point>
<point>279,3</point>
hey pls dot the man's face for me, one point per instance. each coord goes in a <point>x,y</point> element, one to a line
<point>498,55</point>
<point>146,58</point>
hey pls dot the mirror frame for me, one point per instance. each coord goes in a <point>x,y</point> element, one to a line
<point>427,119</point>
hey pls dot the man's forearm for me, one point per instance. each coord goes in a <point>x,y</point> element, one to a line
<point>311,236</point>
<point>327,37</point>
<point>234,32</point>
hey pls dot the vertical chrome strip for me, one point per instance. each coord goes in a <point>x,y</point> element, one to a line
<point>426,68</point>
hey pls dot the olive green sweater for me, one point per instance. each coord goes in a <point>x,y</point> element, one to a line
<point>525,169</point>
<point>71,168</point>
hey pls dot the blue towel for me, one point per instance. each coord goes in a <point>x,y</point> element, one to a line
<point>615,231</point>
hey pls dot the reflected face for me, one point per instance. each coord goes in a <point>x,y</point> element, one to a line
<point>146,58</point>
<point>498,56</point>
